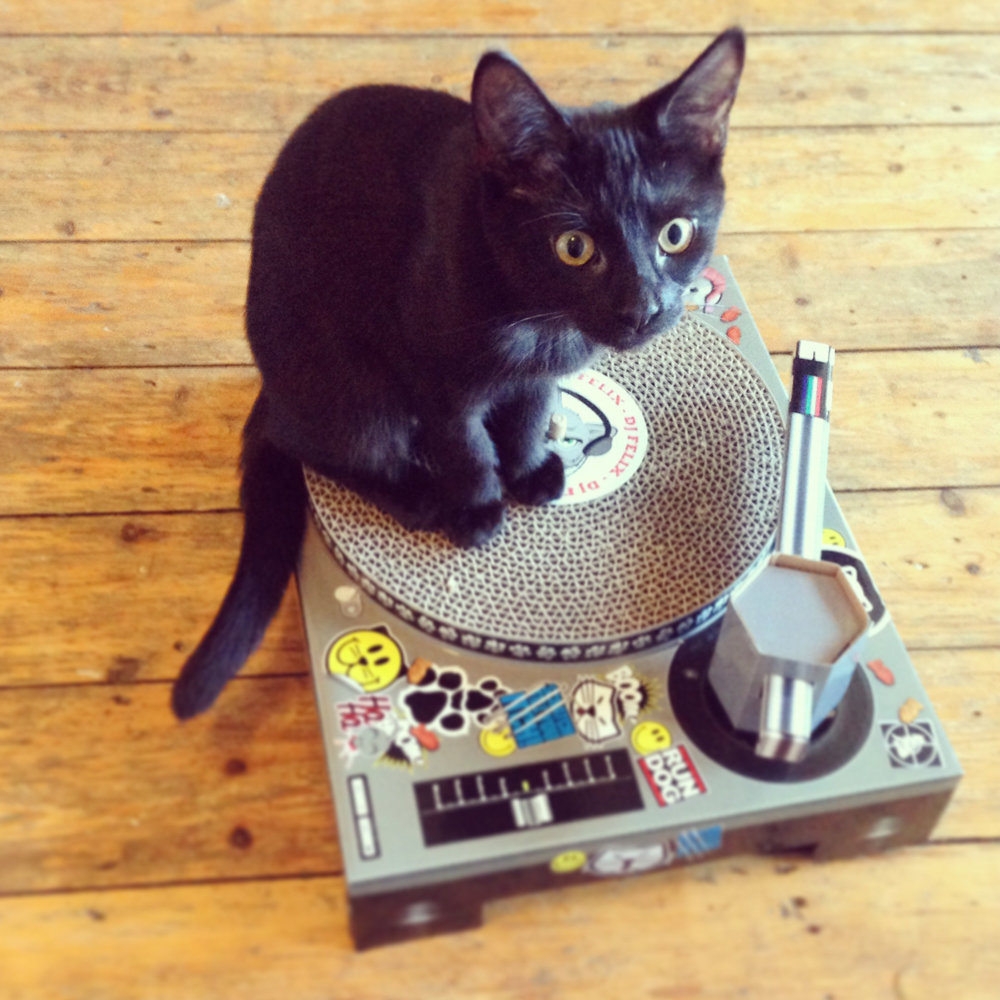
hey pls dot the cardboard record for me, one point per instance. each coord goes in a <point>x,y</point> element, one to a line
<point>673,456</point>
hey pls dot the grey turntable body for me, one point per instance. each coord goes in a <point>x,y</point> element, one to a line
<point>538,714</point>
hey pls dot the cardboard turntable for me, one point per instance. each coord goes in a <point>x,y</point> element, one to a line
<point>538,712</point>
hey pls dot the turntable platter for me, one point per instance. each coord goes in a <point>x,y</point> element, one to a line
<point>673,457</point>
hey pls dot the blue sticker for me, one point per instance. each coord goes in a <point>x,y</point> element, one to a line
<point>694,843</point>
<point>537,716</point>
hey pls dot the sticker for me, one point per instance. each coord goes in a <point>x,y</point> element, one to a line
<point>445,701</point>
<point>537,716</point>
<point>833,537</point>
<point>374,730</point>
<point>628,859</point>
<point>601,708</point>
<point>377,736</point>
<point>705,292</point>
<point>695,843</point>
<point>567,862</point>
<point>911,744</point>
<point>427,739</point>
<point>594,712</point>
<point>860,579</point>
<point>498,742</point>
<point>672,775</point>
<point>882,672</point>
<point>909,710</point>
<point>633,694</point>
<point>418,670</point>
<point>369,658</point>
<point>363,712</point>
<point>650,736</point>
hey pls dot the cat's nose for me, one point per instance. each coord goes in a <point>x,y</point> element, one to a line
<point>640,313</point>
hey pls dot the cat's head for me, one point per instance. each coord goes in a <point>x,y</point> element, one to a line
<point>604,215</point>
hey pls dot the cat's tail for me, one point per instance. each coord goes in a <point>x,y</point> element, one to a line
<point>273,497</point>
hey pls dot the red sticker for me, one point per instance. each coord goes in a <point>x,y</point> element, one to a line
<point>882,672</point>
<point>425,737</point>
<point>672,775</point>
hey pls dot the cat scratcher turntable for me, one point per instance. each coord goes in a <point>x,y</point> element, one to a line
<point>551,708</point>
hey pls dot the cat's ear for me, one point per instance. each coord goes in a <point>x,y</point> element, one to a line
<point>517,127</point>
<point>694,109</point>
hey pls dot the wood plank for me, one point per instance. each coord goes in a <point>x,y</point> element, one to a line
<point>933,556</point>
<point>71,583</point>
<point>131,186</point>
<point>267,83</point>
<point>961,688</point>
<point>925,412</point>
<point>137,439</point>
<point>98,304</point>
<point>104,787</point>
<point>910,924</point>
<point>132,439</point>
<point>871,290</point>
<point>526,17</point>
<point>154,186</point>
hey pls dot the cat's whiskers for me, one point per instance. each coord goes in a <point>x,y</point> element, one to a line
<point>502,323</point>
<point>570,219</point>
<point>555,314</point>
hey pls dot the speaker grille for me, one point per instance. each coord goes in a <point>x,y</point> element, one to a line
<point>636,567</point>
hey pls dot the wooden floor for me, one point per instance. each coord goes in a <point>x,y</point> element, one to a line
<point>139,859</point>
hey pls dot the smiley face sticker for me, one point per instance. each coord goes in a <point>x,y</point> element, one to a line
<point>369,658</point>
<point>650,736</point>
<point>498,742</point>
<point>568,862</point>
<point>833,537</point>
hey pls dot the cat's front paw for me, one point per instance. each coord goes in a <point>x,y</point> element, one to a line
<point>475,525</point>
<point>541,485</point>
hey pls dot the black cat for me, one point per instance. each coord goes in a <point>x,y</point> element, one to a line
<point>422,272</point>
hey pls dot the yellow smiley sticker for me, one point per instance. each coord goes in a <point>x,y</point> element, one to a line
<point>833,537</point>
<point>650,736</point>
<point>497,742</point>
<point>369,658</point>
<point>567,862</point>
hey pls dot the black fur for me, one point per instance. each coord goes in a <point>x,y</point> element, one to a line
<point>273,497</point>
<point>410,313</point>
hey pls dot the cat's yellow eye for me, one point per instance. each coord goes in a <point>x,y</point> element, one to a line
<point>676,236</point>
<point>575,248</point>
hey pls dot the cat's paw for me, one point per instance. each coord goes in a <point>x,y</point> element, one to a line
<point>541,485</point>
<point>475,525</point>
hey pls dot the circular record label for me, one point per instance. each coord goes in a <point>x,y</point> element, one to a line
<point>599,432</point>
